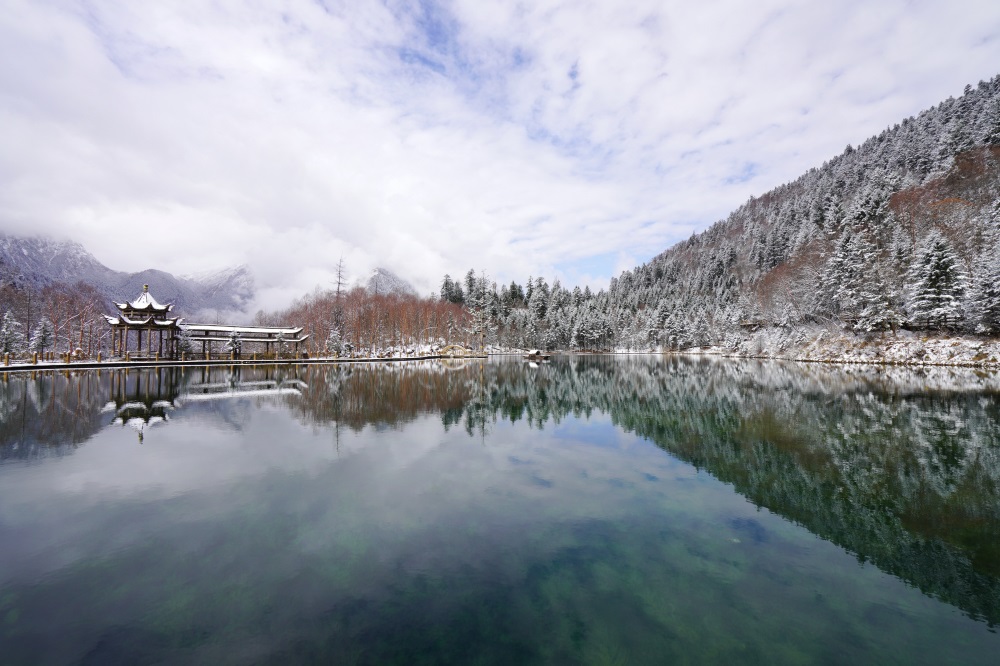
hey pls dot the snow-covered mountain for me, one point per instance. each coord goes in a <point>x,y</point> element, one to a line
<point>37,262</point>
<point>384,281</point>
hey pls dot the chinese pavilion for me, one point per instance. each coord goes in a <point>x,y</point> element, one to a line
<point>144,315</point>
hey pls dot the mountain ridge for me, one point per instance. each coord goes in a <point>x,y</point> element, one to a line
<point>36,262</point>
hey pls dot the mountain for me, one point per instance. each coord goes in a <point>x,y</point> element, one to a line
<point>34,263</point>
<point>384,281</point>
<point>900,233</point>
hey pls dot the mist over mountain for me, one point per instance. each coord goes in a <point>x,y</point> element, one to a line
<point>382,281</point>
<point>34,263</point>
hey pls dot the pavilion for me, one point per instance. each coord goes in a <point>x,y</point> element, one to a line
<point>163,333</point>
<point>144,315</point>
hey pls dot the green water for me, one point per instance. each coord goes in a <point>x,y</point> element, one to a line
<point>593,510</point>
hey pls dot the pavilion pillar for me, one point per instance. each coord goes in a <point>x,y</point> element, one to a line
<point>124,349</point>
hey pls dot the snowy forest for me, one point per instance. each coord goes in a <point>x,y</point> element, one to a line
<point>901,233</point>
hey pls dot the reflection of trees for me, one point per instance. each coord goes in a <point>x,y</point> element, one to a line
<point>43,414</point>
<point>51,412</point>
<point>357,395</point>
<point>901,476</point>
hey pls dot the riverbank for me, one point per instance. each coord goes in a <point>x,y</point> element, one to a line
<point>116,363</point>
<point>820,345</point>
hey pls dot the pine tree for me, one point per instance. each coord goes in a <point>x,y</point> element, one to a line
<point>335,342</point>
<point>984,309</point>
<point>42,337</point>
<point>939,285</point>
<point>184,343</point>
<point>447,288</point>
<point>11,335</point>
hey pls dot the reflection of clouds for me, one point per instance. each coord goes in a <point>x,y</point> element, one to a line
<point>825,446</point>
<point>412,475</point>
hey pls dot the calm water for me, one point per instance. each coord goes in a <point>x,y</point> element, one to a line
<point>595,510</point>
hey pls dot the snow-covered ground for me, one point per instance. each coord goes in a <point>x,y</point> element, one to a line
<point>906,348</point>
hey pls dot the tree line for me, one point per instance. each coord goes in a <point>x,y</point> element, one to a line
<point>57,317</point>
<point>901,232</point>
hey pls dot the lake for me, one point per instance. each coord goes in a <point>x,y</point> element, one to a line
<point>591,510</point>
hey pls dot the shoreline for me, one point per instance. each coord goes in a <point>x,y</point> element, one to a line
<point>821,347</point>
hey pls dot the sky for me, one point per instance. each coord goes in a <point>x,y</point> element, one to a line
<point>570,139</point>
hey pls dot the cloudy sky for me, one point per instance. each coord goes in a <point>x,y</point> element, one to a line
<point>569,139</point>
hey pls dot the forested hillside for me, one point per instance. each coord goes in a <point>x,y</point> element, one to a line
<point>900,232</point>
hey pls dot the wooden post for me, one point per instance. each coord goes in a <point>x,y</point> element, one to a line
<point>34,358</point>
<point>98,357</point>
<point>6,358</point>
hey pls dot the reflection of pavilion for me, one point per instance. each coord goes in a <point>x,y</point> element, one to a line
<point>234,386</point>
<point>143,399</point>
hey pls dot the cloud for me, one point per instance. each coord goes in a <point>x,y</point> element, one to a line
<point>435,137</point>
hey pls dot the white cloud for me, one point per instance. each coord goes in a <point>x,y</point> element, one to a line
<point>433,138</point>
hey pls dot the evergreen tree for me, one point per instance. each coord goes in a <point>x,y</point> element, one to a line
<point>447,288</point>
<point>985,297</point>
<point>538,302</point>
<point>11,335</point>
<point>335,342</point>
<point>42,337</point>
<point>470,286</point>
<point>938,285</point>
<point>184,343</point>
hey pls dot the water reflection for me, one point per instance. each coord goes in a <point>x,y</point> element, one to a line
<point>899,468</point>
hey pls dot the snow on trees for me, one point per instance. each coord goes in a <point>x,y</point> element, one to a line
<point>984,308</point>
<point>12,340</point>
<point>938,285</point>
<point>184,342</point>
<point>335,342</point>
<point>42,337</point>
<point>234,345</point>
<point>859,243</point>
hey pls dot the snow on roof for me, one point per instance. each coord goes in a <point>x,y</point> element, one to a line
<point>145,301</point>
<point>128,321</point>
<point>270,330</point>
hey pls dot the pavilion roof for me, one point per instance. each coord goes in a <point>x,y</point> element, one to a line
<point>249,330</point>
<point>125,320</point>
<point>145,301</point>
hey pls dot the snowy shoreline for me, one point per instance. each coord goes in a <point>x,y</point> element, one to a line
<point>906,348</point>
